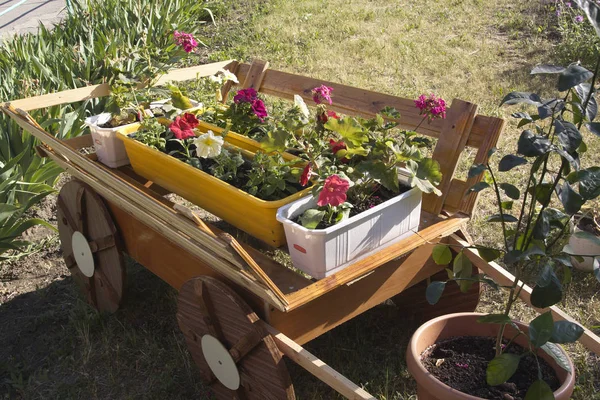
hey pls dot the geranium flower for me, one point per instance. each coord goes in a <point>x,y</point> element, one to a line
<point>208,145</point>
<point>185,40</point>
<point>259,109</point>
<point>322,93</point>
<point>183,126</point>
<point>432,106</point>
<point>228,76</point>
<point>299,102</point>
<point>333,192</point>
<point>245,96</point>
<point>324,117</point>
<point>306,173</point>
<point>336,146</point>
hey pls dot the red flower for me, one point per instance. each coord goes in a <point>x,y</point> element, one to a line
<point>245,96</point>
<point>336,146</point>
<point>183,127</point>
<point>306,173</point>
<point>333,192</point>
<point>324,117</point>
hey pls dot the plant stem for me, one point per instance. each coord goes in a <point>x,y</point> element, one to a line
<point>497,190</point>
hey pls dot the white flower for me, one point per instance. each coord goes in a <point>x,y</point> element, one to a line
<point>303,107</point>
<point>215,79</point>
<point>228,76</point>
<point>208,145</point>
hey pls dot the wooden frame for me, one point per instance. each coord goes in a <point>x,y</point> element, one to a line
<point>296,309</point>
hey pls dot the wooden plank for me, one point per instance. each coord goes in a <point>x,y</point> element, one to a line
<point>455,195</point>
<point>345,302</point>
<point>495,129</point>
<point>360,268</point>
<point>255,75</point>
<point>318,368</point>
<point>452,142</point>
<point>589,339</point>
<point>79,142</point>
<point>94,91</point>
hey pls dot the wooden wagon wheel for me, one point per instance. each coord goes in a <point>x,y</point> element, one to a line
<point>91,245</point>
<point>235,355</point>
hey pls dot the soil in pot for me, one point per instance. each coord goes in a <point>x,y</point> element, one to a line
<point>461,362</point>
<point>589,225</point>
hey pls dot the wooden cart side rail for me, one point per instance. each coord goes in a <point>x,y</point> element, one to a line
<point>318,368</point>
<point>589,339</point>
<point>218,254</point>
<point>95,91</point>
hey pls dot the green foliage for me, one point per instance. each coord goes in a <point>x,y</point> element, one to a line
<point>271,177</point>
<point>226,165</point>
<point>151,133</point>
<point>501,368</point>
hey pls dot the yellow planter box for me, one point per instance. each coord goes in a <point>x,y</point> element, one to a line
<point>246,212</point>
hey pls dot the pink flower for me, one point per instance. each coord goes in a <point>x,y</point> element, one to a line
<point>183,126</point>
<point>336,146</point>
<point>333,192</point>
<point>322,93</point>
<point>579,18</point>
<point>259,109</point>
<point>245,96</point>
<point>306,173</point>
<point>185,40</point>
<point>432,106</point>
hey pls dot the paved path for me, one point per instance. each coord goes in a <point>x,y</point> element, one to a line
<point>20,16</point>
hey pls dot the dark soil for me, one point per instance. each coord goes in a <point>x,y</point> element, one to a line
<point>589,225</point>
<point>464,363</point>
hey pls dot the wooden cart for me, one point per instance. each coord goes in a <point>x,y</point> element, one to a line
<point>239,310</point>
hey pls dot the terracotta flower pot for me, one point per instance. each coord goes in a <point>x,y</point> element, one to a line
<point>465,324</point>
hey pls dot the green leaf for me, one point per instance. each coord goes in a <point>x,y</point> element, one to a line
<point>572,76</point>
<point>548,289</point>
<point>349,129</point>
<point>556,352</point>
<point>463,268</point>
<point>540,329</point>
<point>547,69</point>
<point>507,205</point>
<point>521,97</point>
<point>425,175</point>
<point>312,218</point>
<point>539,390</point>
<point>494,319</point>
<point>479,186</point>
<point>531,145</point>
<point>501,368</point>
<point>566,332</point>
<point>510,161</point>
<point>568,135</point>
<point>476,169</point>
<point>441,254</point>
<point>596,266</point>
<point>594,127</point>
<point>434,292</point>
<point>498,218</point>
<point>379,171</point>
<point>589,182</point>
<point>571,200</point>
<point>488,254</point>
<point>510,190</point>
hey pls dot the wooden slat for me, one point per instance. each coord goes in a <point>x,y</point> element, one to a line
<point>94,91</point>
<point>452,142</point>
<point>455,195</point>
<point>590,340</point>
<point>318,368</point>
<point>368,264</point>
<point>255,75</point>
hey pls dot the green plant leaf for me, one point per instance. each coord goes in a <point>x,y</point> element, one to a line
<point>583,90</point>
<point>594,127</point>
<point>547,69</point>
<point>312,218</point>
<point>441,254</point>
<point>349,129</point>
<point>463,268</point>
<point>494,319</point>
<point>539,390</point>
<point>572,76</point>
<point>571,200</point>
<point>532,145</point>
<point>434,291</point>
<point>548,289</point>
<point>589,182</point>
<point>596,266</point>
<point>521,97</point>
<point>510,190</point>
<point>510,161</point>
<point>501,368</point>
<point>555,351</point>
<point>498,218</point>
<point>488,254</point>
<point>566,332</point>
<point>379,171</point>
<point>476,169</point>
<point>568,135</point>
<point>540,329</point>
<point>478,187</point>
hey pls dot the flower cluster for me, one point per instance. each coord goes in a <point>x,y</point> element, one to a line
<point>184,125</point>
<point>251,96</point>
<point>322,94</point>
<point>185,40</point>
<point>431,106</point>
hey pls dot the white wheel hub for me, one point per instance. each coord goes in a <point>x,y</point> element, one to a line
<point>220,362</point>
<point>83,254</point>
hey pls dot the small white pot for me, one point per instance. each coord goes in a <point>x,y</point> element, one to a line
<point>583,246</point>
<point>322,252</point>
<point>109,148</point>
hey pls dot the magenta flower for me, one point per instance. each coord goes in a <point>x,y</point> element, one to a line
<point>432,106</point>
<point>245,96</point>
<point>322,93</point>
<point>333,192</point>
<point>185,40</point>
<point>579,19</point>
<point>259,109</point>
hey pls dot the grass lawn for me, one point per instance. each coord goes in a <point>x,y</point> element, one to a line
<point>475,50</point>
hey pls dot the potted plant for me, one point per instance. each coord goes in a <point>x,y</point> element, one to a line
<point>362,200</point>
<point>509,359</point>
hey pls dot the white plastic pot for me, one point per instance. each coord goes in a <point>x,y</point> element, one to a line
<point>323,252</point>
<point>109,148</point>
<point>583,246</point>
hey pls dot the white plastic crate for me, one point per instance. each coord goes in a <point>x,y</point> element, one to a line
<point>322,252</point>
